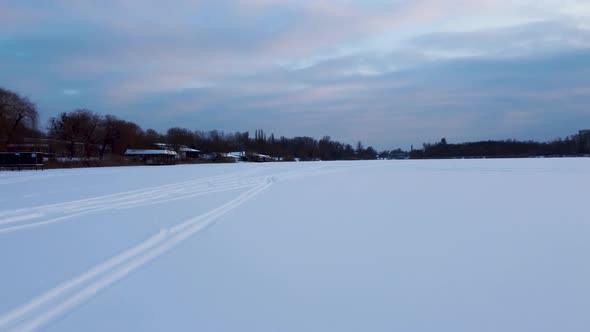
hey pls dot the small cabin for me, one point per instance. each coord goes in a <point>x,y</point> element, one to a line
<point>257,157</point>
<point>152,157</point>
<point>188,153</point>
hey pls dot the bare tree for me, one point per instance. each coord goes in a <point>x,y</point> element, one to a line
<point>109,132</point>
<point>79,126</point>
<point>18,117</point>
<point>152,137</point>
<point>180,136</point>
<point>130,135</point>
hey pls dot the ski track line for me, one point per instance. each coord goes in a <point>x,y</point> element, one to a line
<point>122,206</point>
<point>23,178</point>
<point>66,217</point>
<point>117,196</point>
<point>147,198</point>
<point>137,257</point>
<point>57,302</point>
<point>134,193</point>
<point>185,189</point>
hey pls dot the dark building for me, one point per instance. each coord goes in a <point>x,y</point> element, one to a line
<point>584,141</point>
<point>20,160</point>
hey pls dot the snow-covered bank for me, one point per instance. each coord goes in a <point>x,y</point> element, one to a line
<point>455,245</point>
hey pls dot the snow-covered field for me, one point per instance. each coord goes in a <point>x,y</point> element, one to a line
<point>455,245</point>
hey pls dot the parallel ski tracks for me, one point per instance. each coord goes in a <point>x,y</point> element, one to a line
<point>54,303</point>
<point>33,217</point>
<point>26,218</point>
<point>70,294</point>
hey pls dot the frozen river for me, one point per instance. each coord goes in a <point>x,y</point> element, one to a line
<point>447,245</point>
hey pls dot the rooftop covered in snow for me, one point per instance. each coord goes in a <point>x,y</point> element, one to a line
<point>136,152</point>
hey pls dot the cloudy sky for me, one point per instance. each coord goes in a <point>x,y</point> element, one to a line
<point>389,73</point>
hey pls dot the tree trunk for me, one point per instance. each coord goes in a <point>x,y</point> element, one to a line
<point>102,149</point>
<point>72,146</point>
<point>14,127</point>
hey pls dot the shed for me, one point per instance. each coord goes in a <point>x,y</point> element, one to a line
<point>152,157</point>
<point>257,157</point>
<point>188,153</point>
<point>18,160</point>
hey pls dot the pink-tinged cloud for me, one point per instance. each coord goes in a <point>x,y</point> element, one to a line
<point>328,25</point>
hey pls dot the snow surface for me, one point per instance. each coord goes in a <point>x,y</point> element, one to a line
<point>453,245</point>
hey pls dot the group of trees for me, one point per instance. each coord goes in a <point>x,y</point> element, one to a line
<point>99,133</point>
<point>95,133</point>
<point>578,144</point>
<point>84,133</point>
<point>303,148</point>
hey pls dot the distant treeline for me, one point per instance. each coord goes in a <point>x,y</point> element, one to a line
<point>87,134</point>
<point>83,133</point>
<point>574,145</point>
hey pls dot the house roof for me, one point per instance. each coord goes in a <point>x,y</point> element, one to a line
<point>261,155</point>
<point>185,149</point>
<point>236,154</point>
<point>229,155</point>
<point>135,152</point>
